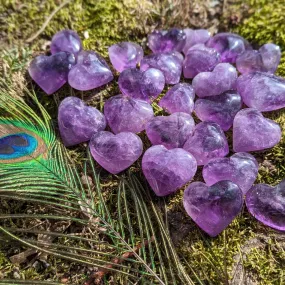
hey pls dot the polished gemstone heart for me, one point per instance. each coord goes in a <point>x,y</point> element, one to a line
<point>229,45</point>
<point>262,91</point>
<point>213,208</point>
<point>78,122</point>
<point>91,71</point>
<point>220,109</point>
<point>169,63</point>
<point>199,58</point>
<point>165,41</point>
<point>50,72</point>
<point>208,141</point>
<point>252,132</point>
<point>167,170</point>
<point>221,79</point>
<point>194,37</point>
<point>267,204</point>
<point>265,59</point>
<point>144,85</point>
<point>125,55</point>
<point>180,98</point>
<point>171,131</point>
<point>115,153</point>
<point>66,40</point>
<point>241,168</point>
<point>125,114</point>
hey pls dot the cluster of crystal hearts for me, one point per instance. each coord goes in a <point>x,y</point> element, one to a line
<point>179,146</point>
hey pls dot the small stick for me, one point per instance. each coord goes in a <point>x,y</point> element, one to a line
<point>47,21</point>
<point>97,277</point>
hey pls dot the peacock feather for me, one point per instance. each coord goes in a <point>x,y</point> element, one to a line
<point>69,214</point>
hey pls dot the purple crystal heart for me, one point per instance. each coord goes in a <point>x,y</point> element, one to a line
<point>253,132</point>
<point>265,59</point>
<point>262,91</point>
<point>267,204</point>
<point>115,153</point>
<point>125,55</point>
<point>208,141</point>
<point>125,114</point>
<point>194,37</point>
<point>199,58</point>
<point>229,45</point>
<point>180,98</point>
<point>165,41</point>
<point>167,170</point>
<point>144,85</point>
<point>50,72</point>
<point>221,79</point>
<point>220,109</point>
<point>78,122</point>
<point>213,208</point>
<point>171,131</point>
<point>91,71</point>
<point>66,40</point>
<point>169,63</point>
<point>241,168</point>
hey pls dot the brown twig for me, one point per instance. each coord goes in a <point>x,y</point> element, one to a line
<point>97,277</point>
<point>34,36</point>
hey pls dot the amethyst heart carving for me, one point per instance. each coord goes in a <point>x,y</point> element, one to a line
<point>180,98</point>
<point>253,132</point>
<point>208,141</point>
<point>167,170</point>
<point>78,122</point>
<point>241,168</point>
<point>262,91</point>
<point>171,131</point>
<point>125,55</point>
<point>91,71</point>
<point>125,114</point>
<point>221,79</point>
<point>144,85</point>
<point>267,204</point>
<point>220,109</point>
<point>115,153</point>
<point>213,208</point>
<point>50,72</point>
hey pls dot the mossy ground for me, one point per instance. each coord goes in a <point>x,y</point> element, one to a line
<point>246,252</point>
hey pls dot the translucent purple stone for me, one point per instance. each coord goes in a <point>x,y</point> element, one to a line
<point>208,141</point>
<point>125,114</point>
<point>213,208</point>
<point>180,98</point>
<point>171,131</point>
<point>144,85</point>
<point>241,168</point>
<point>50,72</point>
<point>91,71</point>
<point>115,153</point>
<point>166,41</point>
<point>229,45</point>
<point>220,109</point>
<point>78,122</point>
<point>253,132</point>
<point>266,59</point>
<point>167,170</point>
<point>221,79</point>
<point>66,40</point>
<point>267,204</point>
<point>194,37</point>
<point>262,91</point>
<point>199,58</point>
<point>125,55</point>
<point>169,63</point>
